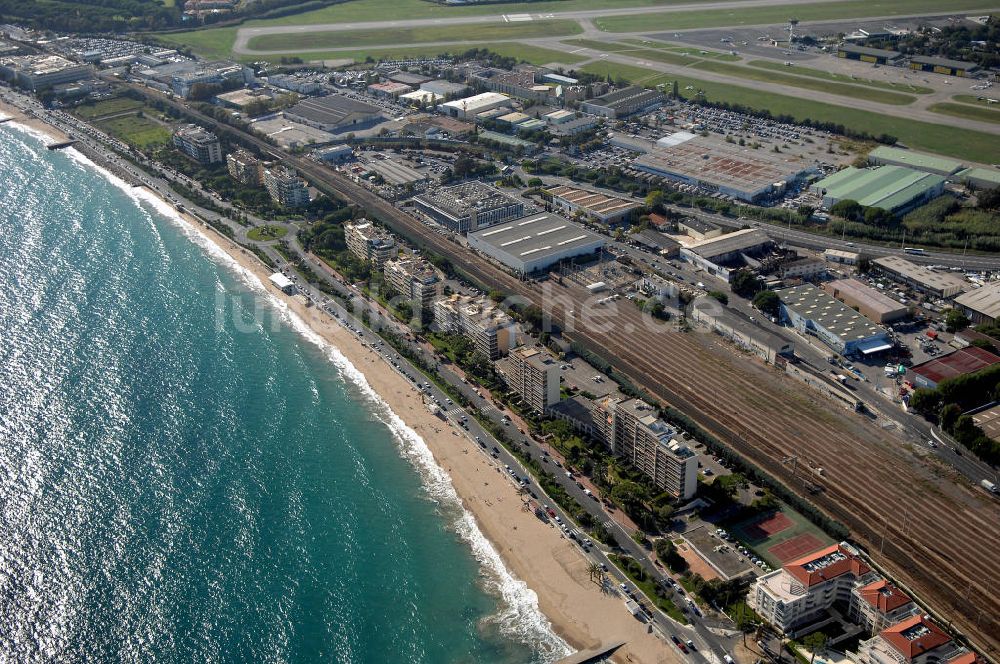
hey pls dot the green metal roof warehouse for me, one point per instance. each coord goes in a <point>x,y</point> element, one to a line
<point>890,156</point>
<point>892,188</point>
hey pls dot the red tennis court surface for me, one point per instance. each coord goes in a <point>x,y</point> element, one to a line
<point>795,547</point>
<point>768,527</point>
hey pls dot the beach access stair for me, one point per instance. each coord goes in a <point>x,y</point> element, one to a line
<point>592,655</point>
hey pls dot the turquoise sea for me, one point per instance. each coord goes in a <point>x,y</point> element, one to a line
<point>186,475</point>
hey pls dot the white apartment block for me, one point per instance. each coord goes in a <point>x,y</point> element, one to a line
<point>490,329</point>
<point>648,443</point>
<point>245,168</point>
<point>369,243</point>
<point>286,188</point>
<point>414,278</point>
<point>914,640</point>
<point>534,374</point>
<point>198,143</point>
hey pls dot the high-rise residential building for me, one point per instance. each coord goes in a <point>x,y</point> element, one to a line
<point>198,143</point>
<point>370,243</point>
<point>287,189</point>
<point>878,604</point>
<point>534,374</point>
<point>648,443</point>
<point>490,329</point>
<point>245,168</point>
<point>914,640</point>
<point>414,278</point>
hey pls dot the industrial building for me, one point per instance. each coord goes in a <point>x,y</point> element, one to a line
<point>370,244</point>
<point>414,278</point>
<point>533,373</point>
<point>803,267</point>
<point>896,189</point>
<point>559,117</point>
<point>444,89</point>
<point>740,172</point>
<point>698,229</point>
<point>745,334</point>
<point>841,257</point>
<point>534,243</point>
<point>334,113</point>
<point>811,311</point>
<point>920,278</point>
<point>959,363</point>
<point>245,168</point>
<point>222,73</point>
<point>395,173</point>
<point>720,256</point>
<point>468,206</point>
<point>491,330</point>
<point>866,54</point>
<point>197,143</point>
<point>286,188</point>
<point>389,89</point>
<point>335,154</point>
<point>648,443</point>
<point>885,155</point>
<point>988,420</point>
<point>657,242</point>
<point>38,72</point>
<point>944,66</point>
<point>979,178</point>
<point>470,107</point>
<point>981,305</point>
<point>609,210</point>
<point>409,78</point>
<point>624,102</point>
<point>868,301</point>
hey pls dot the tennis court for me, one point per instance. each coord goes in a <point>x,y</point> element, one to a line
<point>779,536</point>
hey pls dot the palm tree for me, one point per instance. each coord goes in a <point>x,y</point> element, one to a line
<point>595,572</point>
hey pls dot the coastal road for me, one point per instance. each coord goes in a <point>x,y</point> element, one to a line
<point>872,482</point>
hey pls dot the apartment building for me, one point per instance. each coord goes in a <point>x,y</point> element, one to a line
<point>490,329</point>
<point>802,591</point>
<point>879,604</point>
<point>534,374</point>
<point>915,640</point>
<point>648,443</point>
<point>369,243</point>
<point>287,189</point>
<point>414,278</point>
<point>245,168</point>
<point>198,143</point>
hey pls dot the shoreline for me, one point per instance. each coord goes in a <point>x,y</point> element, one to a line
<point>538,559</point>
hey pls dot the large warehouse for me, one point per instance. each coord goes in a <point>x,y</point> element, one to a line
<point>868,301</point>
<point>893,188</point>
<point>472,106</point>
<point>963,361</point>
<point>334,113</point>
<point>884,155</point>
<point>609,210</point>
<point>981,305</point>
<point>624,102</point>
<point>721,255</point>
<point>465,207</point>
<point>867,54</point>
<point>740,172</point>
<point>534,243</point>
<point>918,277</point>
<point>811,311</point>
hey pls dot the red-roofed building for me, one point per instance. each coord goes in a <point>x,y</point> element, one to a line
<point>915,640</point>
<point>803,591</point>
<point>962,361</point>
<point>878,604</point>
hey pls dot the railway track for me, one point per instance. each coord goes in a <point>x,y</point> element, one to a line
<point>939,539</point>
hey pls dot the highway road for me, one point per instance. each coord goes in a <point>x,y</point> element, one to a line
<point>709,645</point>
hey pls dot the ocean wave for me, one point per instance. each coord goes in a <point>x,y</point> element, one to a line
<point>519,617</point>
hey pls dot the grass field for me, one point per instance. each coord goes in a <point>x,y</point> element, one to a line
<point>851,9</point>
<point>843,89</point>
<point>393,10</point>
<point>784,529</point>
<point>941,139</point>
<point>967,111</point>
<point>214,43</point>
<point>839,78</point>
<point>138,131</point>
<point>978,101</point>
<point>476,32</point>
<point>107,107</point>
<point>265,233</point>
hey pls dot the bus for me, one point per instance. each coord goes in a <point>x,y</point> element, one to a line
<point>914,250</point>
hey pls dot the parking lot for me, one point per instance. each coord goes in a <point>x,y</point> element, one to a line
<point>721,555</point>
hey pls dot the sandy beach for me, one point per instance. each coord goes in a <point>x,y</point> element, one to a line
<point>19,116</point>
<point>535,552</point>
